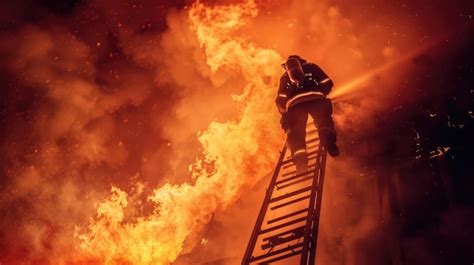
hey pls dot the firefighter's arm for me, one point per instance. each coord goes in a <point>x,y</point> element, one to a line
<point>325,83</point>
<point>281,100</point>
<point>282,97</point>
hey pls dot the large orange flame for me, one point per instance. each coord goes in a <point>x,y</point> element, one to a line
<point>240,150</point>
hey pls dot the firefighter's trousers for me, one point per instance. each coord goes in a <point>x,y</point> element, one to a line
<point>294,123</point>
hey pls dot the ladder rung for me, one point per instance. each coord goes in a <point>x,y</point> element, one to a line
<point>293,183</point>
<point>294,231</point>
<point>286,216</point>
<point>280,241</point>
<point>309,147</point>
<point>311,171</point>
<point>276,252</point>
<point>288,195</point>
<point>291,159</point>
<point>290,202</point>
<point>312,131</point>
<point>289,255</point>
<point>312,140</point>
<point>283,225</point>
<point>276,240</point>
<point>288,165</point>
<point>299,175</point>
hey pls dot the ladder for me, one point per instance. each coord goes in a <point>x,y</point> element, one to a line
<point>287,225</point>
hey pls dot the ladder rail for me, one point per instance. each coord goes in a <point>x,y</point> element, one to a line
<point>314,241</point>
<point>263,210</point>
<point>312,212</point>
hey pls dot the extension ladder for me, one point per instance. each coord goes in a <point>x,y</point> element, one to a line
<point>287,225</point>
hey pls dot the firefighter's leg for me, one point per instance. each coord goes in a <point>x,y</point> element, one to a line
<point>322,115</point>
<point>296,134</point>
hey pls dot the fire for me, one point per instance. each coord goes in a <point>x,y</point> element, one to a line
<point>241,151</point>
<point>109,95</point>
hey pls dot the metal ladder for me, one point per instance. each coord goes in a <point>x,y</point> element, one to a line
<point>287,225</point>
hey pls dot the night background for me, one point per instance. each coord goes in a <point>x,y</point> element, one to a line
<point>144,132</point>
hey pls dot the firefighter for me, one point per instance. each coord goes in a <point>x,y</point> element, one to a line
<point>303,90</point>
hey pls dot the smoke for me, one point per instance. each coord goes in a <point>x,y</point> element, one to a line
<point>58,148</point>
<point>77,116</point>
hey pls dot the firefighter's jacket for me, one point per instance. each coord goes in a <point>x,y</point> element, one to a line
<point>317,85</point>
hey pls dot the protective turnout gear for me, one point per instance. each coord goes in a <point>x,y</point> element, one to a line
<point>315,84</point>
<point>300,95</point>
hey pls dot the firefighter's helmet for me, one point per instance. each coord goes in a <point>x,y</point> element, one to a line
<point>294,69</point>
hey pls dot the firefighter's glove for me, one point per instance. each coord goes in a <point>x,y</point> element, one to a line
<point>285,124</point>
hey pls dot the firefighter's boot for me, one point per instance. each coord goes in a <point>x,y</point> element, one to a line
<point>333,150</point>
<point>301,162</point>
<point>328,139</point>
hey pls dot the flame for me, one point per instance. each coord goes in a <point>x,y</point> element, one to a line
<point>240,150</point>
